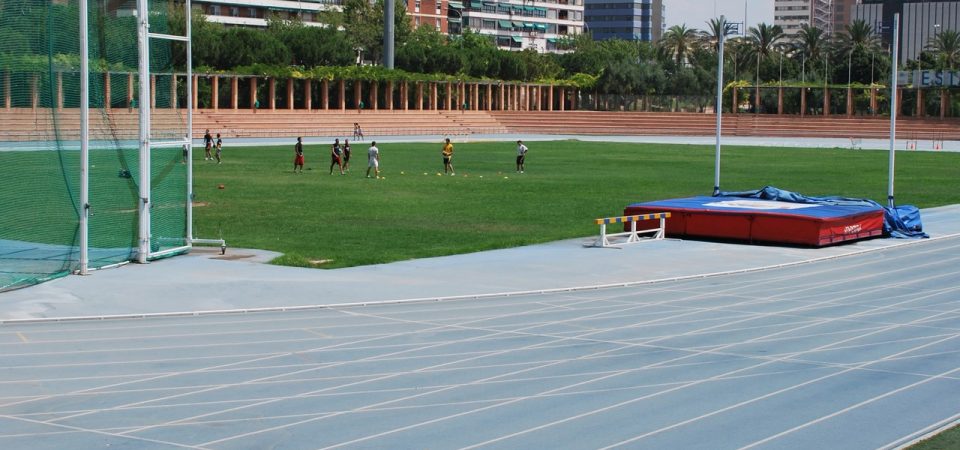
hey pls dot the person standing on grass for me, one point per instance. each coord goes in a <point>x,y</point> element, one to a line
<point>219,151</point>
<point>521,156</point>
<point>373,159</point>
<point>298,155</point>
<point>335,159</point>
<point>447,153</point>
<point>346,155</point>
<point>207,144</point>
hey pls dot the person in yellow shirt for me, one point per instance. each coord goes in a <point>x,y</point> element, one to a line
<point>447,153</point>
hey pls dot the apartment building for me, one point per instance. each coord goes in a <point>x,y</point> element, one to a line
<point>430,13</point>
<point>792,15</point>
<point>521,24</point>
<point>632,20</point>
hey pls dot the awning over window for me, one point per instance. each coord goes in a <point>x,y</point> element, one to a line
<point>553,40</point>
<point>529,8</point>
<point>505,24</point>
<point>517,39</point>
<point>490,4</point>
<point>453,19</point>
<point>527,25</point>
<point>455,5</point>
<point>518,24</point>
<point>476,4</point>
<point>517,8</point>
<point>540,26</point>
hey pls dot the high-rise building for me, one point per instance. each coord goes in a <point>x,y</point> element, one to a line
<point>521,24</point>
<point>256,12</point>
<point>632,20</point>
<point>792,15</point>
<point>920,20</point>
<point>842,14</point>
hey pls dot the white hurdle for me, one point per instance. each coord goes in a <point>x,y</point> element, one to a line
<point>633,235</point>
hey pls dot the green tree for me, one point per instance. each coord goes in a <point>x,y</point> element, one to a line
<point>679,42</point>
<point>946,49</point>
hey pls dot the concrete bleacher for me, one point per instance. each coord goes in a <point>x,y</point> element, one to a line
<point>25,124</point>
<point>694,124</point>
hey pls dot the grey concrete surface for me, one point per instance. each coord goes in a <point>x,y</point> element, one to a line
<point>205,281</point>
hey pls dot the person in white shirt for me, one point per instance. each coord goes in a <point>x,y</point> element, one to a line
<point>521,156</point>
<point>373,159</point>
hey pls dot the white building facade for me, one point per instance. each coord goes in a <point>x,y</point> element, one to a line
<point>518,24</point>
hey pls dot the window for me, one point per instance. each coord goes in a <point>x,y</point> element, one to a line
<point>437,23</point>
<point>416,8</point>
<point>251,12</point>
<point>234,11</point>
<point>214,10</point>
<point>439,11</point>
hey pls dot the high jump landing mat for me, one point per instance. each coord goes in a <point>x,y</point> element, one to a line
<point>765,221</point>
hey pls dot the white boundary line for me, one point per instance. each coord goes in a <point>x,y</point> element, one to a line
<point>467,296</point>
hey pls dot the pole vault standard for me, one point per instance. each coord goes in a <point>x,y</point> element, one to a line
<point>722,29</point>
<point>893,107</point>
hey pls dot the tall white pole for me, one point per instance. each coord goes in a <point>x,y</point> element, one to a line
<point>143,40</point>
<point>84,140</point>
<point>716,164</point>
<point>893,106</point>
<point>189,136</point>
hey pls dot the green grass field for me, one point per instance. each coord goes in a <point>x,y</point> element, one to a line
<point>948,440</point>
<point>328,221</point>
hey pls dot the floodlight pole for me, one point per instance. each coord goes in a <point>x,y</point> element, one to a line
<point>388,12</point>
<point>143,41</point>
<point>84,140</point>
<point>893,107</point>
<point>716,169</point>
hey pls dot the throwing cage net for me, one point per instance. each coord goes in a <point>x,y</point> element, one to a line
<point>84,190</point>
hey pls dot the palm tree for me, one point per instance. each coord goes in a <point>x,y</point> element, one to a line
<point>710,38</point>
<point>678,41</point>
<point>811,43</point>
<point>858,36</point>
<point>946,47</point>
<point>765,37</point>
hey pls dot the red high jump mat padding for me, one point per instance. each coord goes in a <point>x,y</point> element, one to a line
<point>765,221</point>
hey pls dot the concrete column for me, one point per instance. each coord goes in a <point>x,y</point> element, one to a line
<point>308,94</point>
<point>253,94</point>
<point>234,92</point>
<point>195,101</point>
<point>404,95</point>
<point>574,97</point>
<point>7,101</point>
<point>563,98</point>
<point>474,96</point>
<point>59,91</point>
<point>357,94</point>
<point>873,101</point>
<point>826,102</point>
<point>780,100</point>
<point>325,93</point>
<point>550,98</point>
<point>944,103</point>
<point>803,102</point>
<point>388,96</point>
<point>448,95</point>
<point>272,92</point>
<point>419,96</point>
<point>735,104</point>
<point>921,104</point>
<point>130,90</point>
<point>342,94</point>
<point>106,91</point>
<point>153,91</point>
<point>374,87</point>
<point>756,100</point>
<point>501,97</point>
<point>173,91</point>
<point>489,106</point>
<point>899,102</point>
<point>214,92</point>
<point>289,93</point>
<point>849,101</point>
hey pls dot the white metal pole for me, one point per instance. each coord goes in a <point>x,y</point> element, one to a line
<point>716,169</point>
<point>893,107</point>
<point>84,140</point>
<point>189,136</point>
<point>143,40</point>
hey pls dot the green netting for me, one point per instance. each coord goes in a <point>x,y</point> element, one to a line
<point>40,165</point>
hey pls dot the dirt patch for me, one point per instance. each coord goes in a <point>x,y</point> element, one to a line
<point>320,262</point>
<point>232,257</point>
<point>200,204</point>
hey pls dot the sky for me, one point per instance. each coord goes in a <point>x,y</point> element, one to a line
<point>695,13</point>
